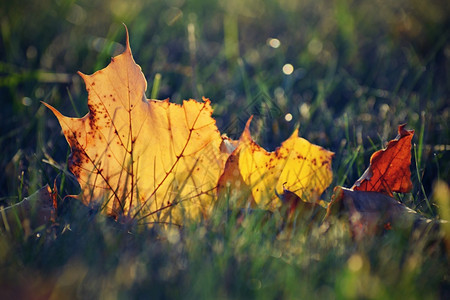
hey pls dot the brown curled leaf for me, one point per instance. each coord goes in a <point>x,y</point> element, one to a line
<point>372,213</point>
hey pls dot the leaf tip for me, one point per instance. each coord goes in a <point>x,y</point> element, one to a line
<point>82,75</point>
<point>127,45</point>
<point>404,132</point>
<point>295,133</point>
<point>246,132</point>
<point>206,100</point>
<point>333,207</point>
<point>54,110</point>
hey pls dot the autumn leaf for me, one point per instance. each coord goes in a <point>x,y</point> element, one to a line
<point>369,205</point>
<point>293,208</point>
<point>255,177</point>
<point>372,213</point>
<point>389,168</point>
<point>147,160</point>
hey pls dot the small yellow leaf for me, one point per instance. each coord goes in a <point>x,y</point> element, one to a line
<point>258,175</point>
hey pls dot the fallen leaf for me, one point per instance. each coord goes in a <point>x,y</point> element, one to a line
<point>369,206</point>
<point>254,177</point>
<point>371,213</point>
<point>294,208</point>
<point>146,160</point>
<point>389,168</point>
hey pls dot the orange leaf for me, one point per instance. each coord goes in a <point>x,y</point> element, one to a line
<point>254,176</point>
<point>147,159</point>
<point>389,168</point>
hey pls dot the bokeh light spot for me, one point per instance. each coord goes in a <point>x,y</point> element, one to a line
<point>288,69</point>
<point>288,117</point>
<point>27,101</point>
<point>355,263</point>
<point>274,43</point>
<point>315,46</point>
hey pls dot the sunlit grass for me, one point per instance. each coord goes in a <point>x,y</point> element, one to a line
<point>347,73</point>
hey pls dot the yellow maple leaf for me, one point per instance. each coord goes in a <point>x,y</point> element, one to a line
<point>254,176</point>
<point>144,159</point>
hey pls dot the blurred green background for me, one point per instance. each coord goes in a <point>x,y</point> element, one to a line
<point>355,71</point>
<point>346,72</point>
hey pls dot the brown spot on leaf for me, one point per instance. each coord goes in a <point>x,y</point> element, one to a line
<point>110,155</point>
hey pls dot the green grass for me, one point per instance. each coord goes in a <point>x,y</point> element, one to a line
<point>360,70</point>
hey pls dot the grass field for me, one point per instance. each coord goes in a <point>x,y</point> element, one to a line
<point>349,72</point>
